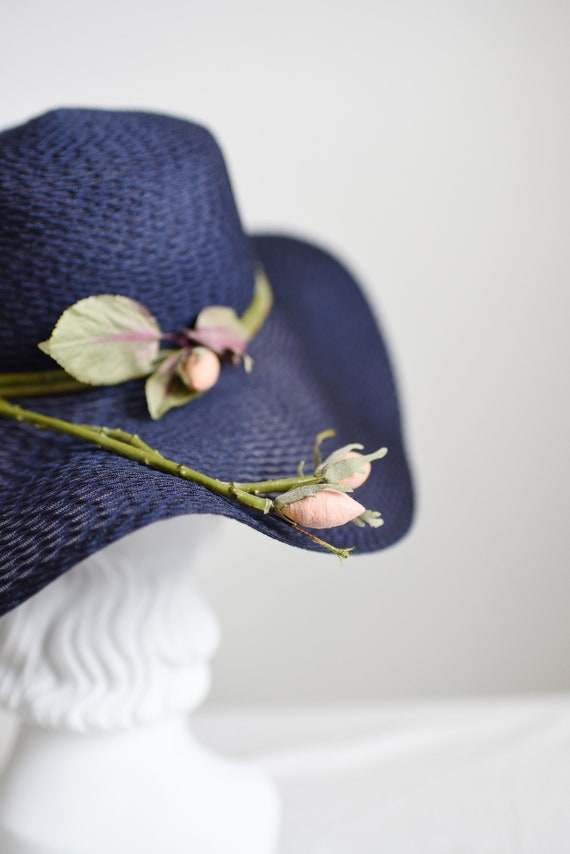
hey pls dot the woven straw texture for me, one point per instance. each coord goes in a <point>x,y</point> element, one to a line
<point>138,204</point>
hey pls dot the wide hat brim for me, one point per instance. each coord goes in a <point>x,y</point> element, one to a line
<point>319,363</point>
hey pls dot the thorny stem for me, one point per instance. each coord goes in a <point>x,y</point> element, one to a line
<point>129,438</point>
<point>131,446</point>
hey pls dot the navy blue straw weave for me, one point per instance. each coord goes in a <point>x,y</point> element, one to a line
<point>138,204</point>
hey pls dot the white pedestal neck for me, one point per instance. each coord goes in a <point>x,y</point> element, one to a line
<point>102,668</point>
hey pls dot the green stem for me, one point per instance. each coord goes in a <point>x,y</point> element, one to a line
<point>38,382</point>
<point>260,305</point>
<point>123,436</point>
<point>340,553</point>
<point>132,448</point>
<point>281,485</point>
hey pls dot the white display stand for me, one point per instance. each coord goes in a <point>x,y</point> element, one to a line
<point>101,668</point>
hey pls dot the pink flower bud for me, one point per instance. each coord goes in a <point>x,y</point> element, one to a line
<point>326,509</point>
<point>201,369</point>
<point>356,479</point>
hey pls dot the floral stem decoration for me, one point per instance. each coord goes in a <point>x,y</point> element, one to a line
<point>318,500</point>
<point>109,339</point>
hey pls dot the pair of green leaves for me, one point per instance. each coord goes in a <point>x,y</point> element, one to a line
<point>109,339</point>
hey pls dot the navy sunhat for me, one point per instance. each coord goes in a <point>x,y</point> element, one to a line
<point>97,202</point>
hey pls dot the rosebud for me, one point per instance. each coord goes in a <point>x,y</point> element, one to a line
<point>326,509</point>
<point>356,479</point>
<point>200,370</point>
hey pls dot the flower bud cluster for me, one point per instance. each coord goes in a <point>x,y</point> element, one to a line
<point>324,502</point>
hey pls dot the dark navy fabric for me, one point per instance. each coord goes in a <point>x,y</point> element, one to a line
<point>139,204</point>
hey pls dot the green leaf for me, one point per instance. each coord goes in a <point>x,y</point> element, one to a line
<point>304,491</point>
<point>369,517</point>
<point>341,453</point>
<point>164,389</point>
<point>220,315</point>
<point>341,468</point>
<point>104,340</point>
<point>219,328</point>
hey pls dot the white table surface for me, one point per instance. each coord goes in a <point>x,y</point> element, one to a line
<point>476,776</point>
<point>452,777</point>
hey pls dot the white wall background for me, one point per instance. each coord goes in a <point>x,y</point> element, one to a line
<point>428,144</point>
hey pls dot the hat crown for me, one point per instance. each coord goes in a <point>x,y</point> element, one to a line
<point>128,203</point>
